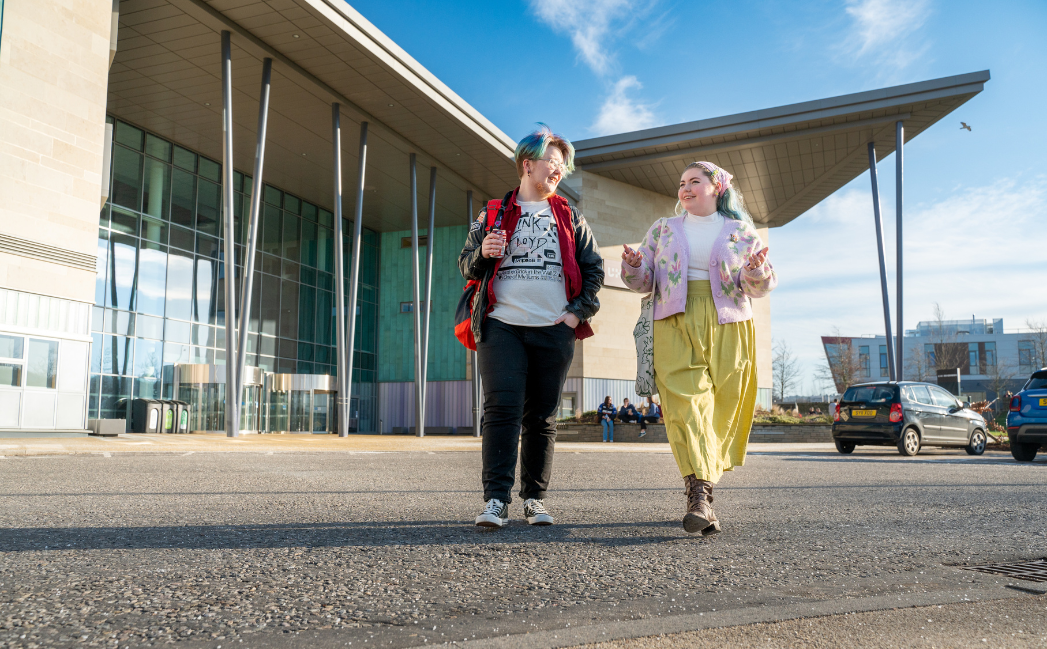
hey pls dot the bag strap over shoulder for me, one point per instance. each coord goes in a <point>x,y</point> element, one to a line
<point>495,213</point>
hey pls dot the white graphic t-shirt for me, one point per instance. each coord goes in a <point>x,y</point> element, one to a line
<point>529,285</point>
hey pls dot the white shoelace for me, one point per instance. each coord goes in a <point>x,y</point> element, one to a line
<point>494,507</point>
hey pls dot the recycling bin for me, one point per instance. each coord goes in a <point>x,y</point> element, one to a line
<point>146,416</point>
<point>169,412</point>
<point>181,417</point>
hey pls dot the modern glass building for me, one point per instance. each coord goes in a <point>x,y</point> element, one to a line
<point>112,264</point>
<point>159,288</point>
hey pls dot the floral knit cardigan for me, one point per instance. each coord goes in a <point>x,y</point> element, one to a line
<point>663,269</point>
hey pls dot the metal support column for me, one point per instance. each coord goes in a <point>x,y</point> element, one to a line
<point>883,264</point>
<point>342,401</point>
<point>477,394</point>
<point>899,161</point>
<point>419,406</point>
<point>430,237</point>
<point>247,282</point>
<point>354,272</point>
<point>232,397</point>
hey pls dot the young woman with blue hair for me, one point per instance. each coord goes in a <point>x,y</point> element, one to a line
<point>539,270</point>
<point>704,266</point>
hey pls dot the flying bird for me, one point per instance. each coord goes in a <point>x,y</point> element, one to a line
<point>963,125</point>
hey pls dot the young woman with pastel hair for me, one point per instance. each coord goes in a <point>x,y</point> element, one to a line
<point>704,266</point>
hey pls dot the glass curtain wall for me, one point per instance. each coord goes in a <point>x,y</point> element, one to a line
<point>159,287</point>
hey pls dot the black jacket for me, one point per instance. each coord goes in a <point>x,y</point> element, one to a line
<point>474,266</point>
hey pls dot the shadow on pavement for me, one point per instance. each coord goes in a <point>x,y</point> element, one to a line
<point>371,534</point>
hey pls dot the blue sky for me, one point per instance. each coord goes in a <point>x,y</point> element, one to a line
<point>976,202</point>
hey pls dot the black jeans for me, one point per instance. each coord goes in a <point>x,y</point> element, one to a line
<point>641,419</point>
<point>523,370</point>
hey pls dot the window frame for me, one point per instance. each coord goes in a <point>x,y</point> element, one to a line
<point>21,362</point>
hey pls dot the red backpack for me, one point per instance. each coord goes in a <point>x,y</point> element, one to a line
<point>463,314</point>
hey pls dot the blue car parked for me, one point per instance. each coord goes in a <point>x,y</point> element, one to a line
<point>1027,419</point>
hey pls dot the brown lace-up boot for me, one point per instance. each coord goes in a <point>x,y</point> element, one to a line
<point>700,516</point>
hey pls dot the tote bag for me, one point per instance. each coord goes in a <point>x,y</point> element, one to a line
<point>643,336</point>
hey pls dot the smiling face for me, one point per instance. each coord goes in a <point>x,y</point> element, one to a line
<point>544,174</point>
<point>697,192</point>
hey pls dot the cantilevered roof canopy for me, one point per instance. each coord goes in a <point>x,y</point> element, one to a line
<point>167,78</point>
<point>787,159</point>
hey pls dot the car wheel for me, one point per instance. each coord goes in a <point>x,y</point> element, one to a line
<point>1024,452</point>
<point>909,444</point>
<point>977,444</point>
<point>844,447</point>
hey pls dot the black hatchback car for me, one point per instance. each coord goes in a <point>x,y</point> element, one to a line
<point>908,415</point>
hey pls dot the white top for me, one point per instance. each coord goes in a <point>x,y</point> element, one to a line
<point>701,232</point>
<point>529,285</point>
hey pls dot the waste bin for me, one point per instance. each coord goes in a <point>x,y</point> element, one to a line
<point>181,417</point>
<point>146,416</point>
<point>169,412</point>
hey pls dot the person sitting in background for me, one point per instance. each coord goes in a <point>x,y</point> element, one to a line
<point>628,414</point>
<point>606,412</point>
<point>654,412</point>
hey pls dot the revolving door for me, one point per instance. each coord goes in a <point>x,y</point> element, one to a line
<point>203,388</point>
<point>301,403</point>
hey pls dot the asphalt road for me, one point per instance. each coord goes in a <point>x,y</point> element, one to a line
<point>378,549</point>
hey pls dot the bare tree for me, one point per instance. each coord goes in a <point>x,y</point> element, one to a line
<point>1000,375</point>
<point>1038,335</point>
<point>948,354</point>
<point>917,366</point>
<point>785,369</point>
<point>842,367</point>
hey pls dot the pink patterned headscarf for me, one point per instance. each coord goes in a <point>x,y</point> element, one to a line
<point>720,176</point>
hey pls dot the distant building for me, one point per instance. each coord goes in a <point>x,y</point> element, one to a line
<point>990,360</point>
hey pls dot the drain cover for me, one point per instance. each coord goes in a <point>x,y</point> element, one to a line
<point>1027,570</point>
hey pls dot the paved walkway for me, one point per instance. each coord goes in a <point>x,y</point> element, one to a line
<point>212,443</point>
<point>290,543</point>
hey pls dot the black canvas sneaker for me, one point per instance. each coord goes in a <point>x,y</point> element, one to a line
<point>534,510</point>
<point>495,514</point>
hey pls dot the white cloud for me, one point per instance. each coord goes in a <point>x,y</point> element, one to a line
<point>978,251</point>
<point>882,29</point>
<point>589,23</point>
<point>593,26</point>
<point>620,113</point>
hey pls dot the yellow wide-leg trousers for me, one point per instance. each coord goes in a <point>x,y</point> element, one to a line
<point>706,377</point>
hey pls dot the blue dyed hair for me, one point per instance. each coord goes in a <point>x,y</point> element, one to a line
<point>731,204</point>
<point>534,146</point>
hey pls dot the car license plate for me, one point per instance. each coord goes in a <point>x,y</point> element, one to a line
<point>1043,403</point>
<point>863,413</point>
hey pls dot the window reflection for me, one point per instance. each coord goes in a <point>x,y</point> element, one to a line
<point>183,197</point>
<point>306,309</point>
<point>148,362</point>
<point>309,243</point>
<point>170,196</point>
<point>208,206</point>
<point>41,370</point>
<point>101,267</point>
<point>179,285</point>
<point>123,253</point>
<point>127,178</point>
<point>152,279</point>
<point>271,228</point>
<point>157,190</point>
<point>11,375</point>
<point>11,346</point>
<point>116,355</point>
<point>206,286</point>
<point>289,309</point>
<point>114,397</point>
